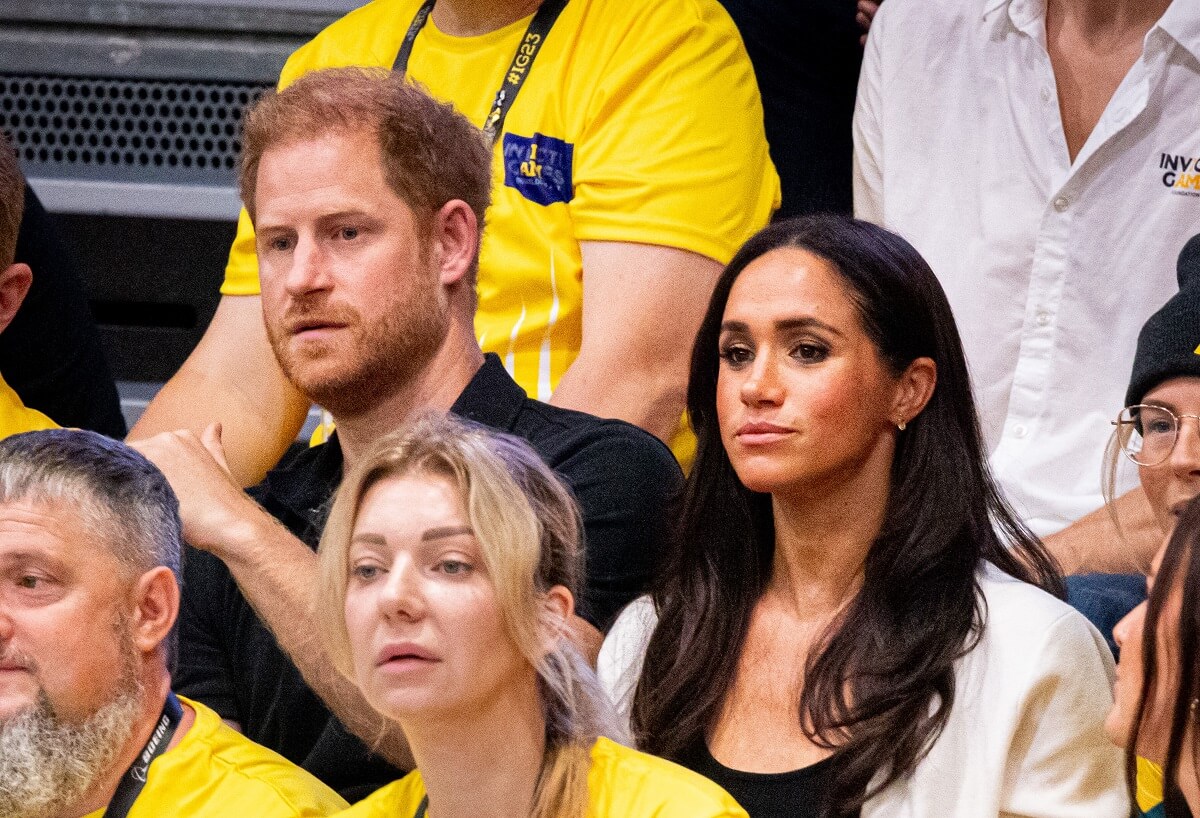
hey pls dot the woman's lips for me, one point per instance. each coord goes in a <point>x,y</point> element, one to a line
<point>759,433</point>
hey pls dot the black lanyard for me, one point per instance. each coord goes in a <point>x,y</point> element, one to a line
<point>422,808</point>
<point>518,70</point>
<point>135,777</point>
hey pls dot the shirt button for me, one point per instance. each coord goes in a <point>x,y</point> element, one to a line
<point>1019,431</point>
<point>1061,203</point>
<point>1045,95</point>
<point>1043,318</point>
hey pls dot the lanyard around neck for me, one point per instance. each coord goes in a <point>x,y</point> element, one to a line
<point>518,70</point>
<point>135,777</point>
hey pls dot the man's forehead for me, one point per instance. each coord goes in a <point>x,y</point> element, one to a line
<point>44,525</point>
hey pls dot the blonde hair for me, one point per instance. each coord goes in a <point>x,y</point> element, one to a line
<point>528,529</point>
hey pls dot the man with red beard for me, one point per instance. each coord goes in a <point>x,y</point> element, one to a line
<point>368,199</point>
<point>89,557</point>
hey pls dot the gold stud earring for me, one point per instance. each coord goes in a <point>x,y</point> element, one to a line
<point>901,424</point>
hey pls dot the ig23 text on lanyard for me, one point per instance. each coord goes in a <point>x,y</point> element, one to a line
<point>518,70</point>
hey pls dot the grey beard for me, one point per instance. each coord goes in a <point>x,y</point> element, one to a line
<point>47,764</point>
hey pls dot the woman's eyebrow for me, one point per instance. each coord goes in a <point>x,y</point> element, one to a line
<point>786,324</point>
<point>445,531</point>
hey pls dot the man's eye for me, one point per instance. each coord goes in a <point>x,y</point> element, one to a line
<point>349,233</point>
<point>281,244</point>
<point>30,582</point>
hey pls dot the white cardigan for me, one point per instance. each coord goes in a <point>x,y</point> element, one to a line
<point>1025,736</point>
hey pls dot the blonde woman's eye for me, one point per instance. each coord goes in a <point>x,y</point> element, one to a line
<point>365,573</point>
<point>454,567</point>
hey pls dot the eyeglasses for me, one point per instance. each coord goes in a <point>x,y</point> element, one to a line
<point>1147,434</point>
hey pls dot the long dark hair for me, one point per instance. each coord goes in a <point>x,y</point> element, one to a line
<point>881,685</point>
<point>1180,567</point>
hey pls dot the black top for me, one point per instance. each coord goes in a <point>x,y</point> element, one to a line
<point>806,58</point>
<point>797,794</point>
<point>50,354</point>
<point>624,479</point>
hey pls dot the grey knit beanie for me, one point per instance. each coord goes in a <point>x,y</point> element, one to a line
<point>1169,343</point>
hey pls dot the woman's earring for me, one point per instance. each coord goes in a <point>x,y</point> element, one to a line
<point>901,424</point>
<point>1192,709</point>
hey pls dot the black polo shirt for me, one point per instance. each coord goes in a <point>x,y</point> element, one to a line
<point>624,479</point>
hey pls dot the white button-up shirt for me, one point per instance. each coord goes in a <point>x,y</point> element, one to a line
<point>1051,266</point>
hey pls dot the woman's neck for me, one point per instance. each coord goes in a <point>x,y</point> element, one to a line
<point>484,764</point>
<point>822,542</point>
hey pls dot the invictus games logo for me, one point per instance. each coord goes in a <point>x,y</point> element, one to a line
<point>539,167</point>
<point>1181,174</point>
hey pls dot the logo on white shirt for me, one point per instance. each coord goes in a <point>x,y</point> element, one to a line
<point>1182,173</point>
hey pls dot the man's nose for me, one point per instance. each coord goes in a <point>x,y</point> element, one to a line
<point>309,271</point>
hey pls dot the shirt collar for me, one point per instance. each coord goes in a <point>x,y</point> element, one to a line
<point>492,398</point>
<point>306,483</point>
<point>1182,21</point>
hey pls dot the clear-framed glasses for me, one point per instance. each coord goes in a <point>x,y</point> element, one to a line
<point>1147,434</point>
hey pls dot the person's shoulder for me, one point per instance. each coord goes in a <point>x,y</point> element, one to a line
<point>672,15</point>
<point>400,798</point>
<point>363,36</point>
<point>625,782</point>
<point>937,15</point>
<point>222,768</point>
<point>1024,622</point>
<point>567,438</point>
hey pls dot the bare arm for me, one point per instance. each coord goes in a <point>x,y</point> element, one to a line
<point>275,571</point>
<point>232,378</point>
<point>642,305</point>
<point>1093,543</point>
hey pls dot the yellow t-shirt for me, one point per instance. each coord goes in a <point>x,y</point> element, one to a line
<point>1149,785</point>
<point>16,417</point>
<point>622,783</point>
<point>640,121</point>
<point>216,771</point>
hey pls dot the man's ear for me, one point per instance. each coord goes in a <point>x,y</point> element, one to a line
<point>155,607</point>
<point>914,389</point>
<point>456,233</point>
<point>14,286</point>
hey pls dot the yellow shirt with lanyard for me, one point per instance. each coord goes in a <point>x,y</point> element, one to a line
<point>215,772</point>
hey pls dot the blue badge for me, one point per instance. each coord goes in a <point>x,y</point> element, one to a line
<point>539,167</point>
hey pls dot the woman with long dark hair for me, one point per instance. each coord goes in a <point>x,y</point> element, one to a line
<point>853,619</point>
<point>1158,680</point>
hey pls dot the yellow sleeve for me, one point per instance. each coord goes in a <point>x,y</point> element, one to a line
<point>679,159</point>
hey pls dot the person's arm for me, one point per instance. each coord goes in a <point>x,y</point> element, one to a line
<point>276,572</point>
<point>1060,764</point>
<point>642,305</point>
<point>1094,543</point>
<point>232,378</point>
<point>868,133</point>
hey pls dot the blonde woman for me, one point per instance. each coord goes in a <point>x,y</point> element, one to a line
<point>448,567</point>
